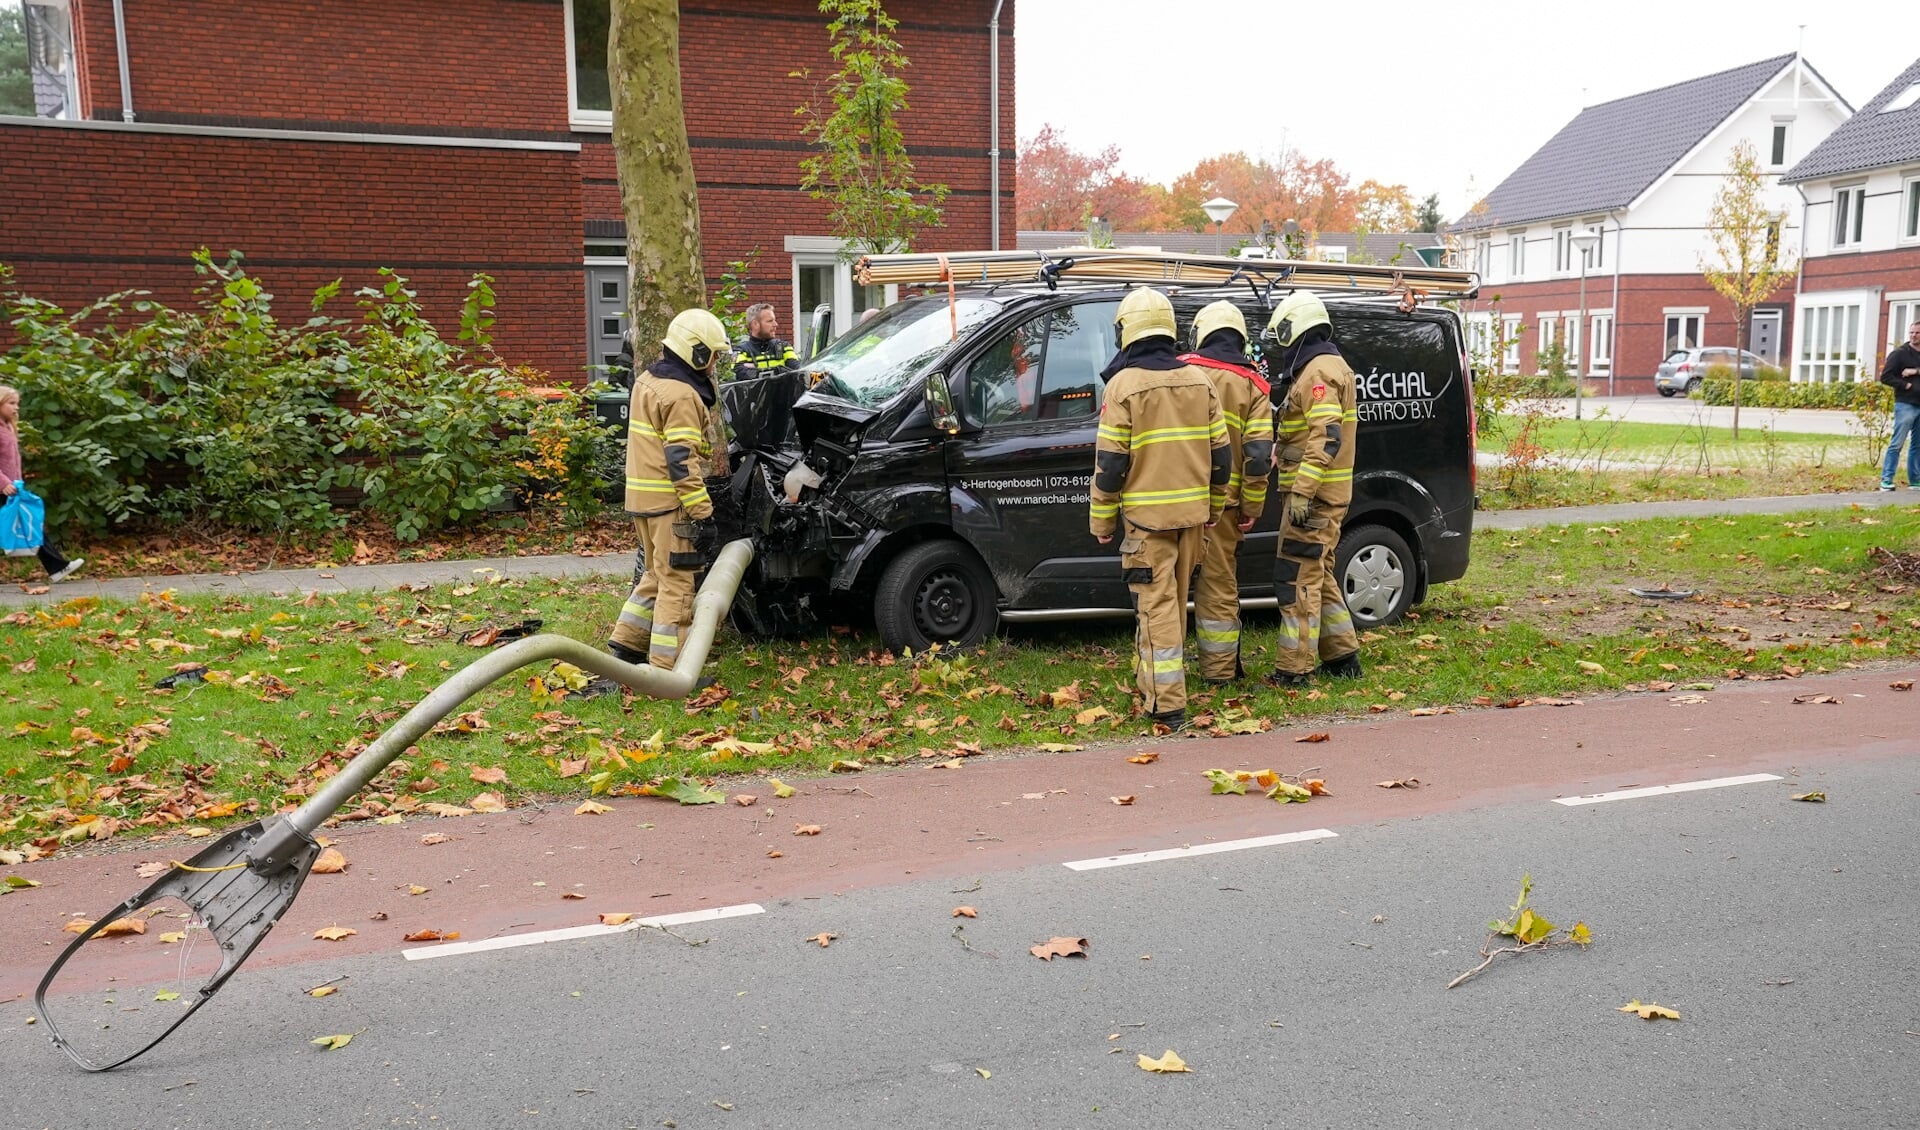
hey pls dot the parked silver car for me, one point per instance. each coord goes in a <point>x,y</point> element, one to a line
<point>1683,368</point>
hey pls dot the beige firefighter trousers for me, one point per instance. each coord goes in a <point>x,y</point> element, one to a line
<point>1216,599</point>
<point>1314,623</point>
<point>656,616</point>
<point>1158,566</point>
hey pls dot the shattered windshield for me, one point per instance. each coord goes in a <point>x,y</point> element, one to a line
<point>872,362</point>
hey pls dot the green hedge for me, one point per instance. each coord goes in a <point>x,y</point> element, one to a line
<point>131,410</point>
<point>1848,395</point>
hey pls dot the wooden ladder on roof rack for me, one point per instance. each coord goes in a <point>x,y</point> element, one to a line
<point>1412,284</point>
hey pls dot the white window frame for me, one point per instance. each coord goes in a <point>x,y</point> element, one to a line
<point>1782,126</point>
<point>595,120</point>
<point>1483,255</point>
<point>1909,229</point>
<point>1516,254</point>
<point>1699,313</point>
<point>1849,219</point>
<point>1330,254</point>
<point>1548,326</point>
<point>1831,332</point>
<point>1903,309</point>
<point>1597,258</point>
<point>1600,349</point>
<point>1510,334</point>
<point>1563,249</point>
<point>1480,335</point>
<point>825,251</point>
<point>1570,333</point>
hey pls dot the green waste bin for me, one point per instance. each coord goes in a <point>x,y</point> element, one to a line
<point>610,408</point>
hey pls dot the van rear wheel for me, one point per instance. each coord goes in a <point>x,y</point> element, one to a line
<point>1377,571</point>
<point>935,592</point>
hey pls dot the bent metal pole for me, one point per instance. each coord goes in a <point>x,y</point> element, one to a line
<point>284,838</point>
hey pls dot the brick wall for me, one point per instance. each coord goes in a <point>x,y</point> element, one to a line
<point>1639,317</point>
<point>113,209</point>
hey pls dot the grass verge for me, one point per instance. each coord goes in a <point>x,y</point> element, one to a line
<point>294,685</point>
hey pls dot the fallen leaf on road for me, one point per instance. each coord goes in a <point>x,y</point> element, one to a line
<point>196,833</point>
<point>1059,747</point>
<point>1802,699</point>
<point>825,939</point>
<point>416,889</point>
<point>745,800</point>
<point>1408,783</point>
<point>432,838</point>
<point>615,919</point>
<point>19,883</point>
<point>1285,792</point>
<point>1167,1064</point>
<point>776,855</point>
<point>1649,1011</point>
<point>438,809</point>
<point>323,991</point>
<point>781,790</point>
<point>1810,798</point>
<point>1316,786</point>
<point>983,1073</point>
<point>153,870</point>
<point>592,808</point>
<point>1225,782</point>
<point>955,763</point>
<point>686,792</point>
<point>1320,736</point>
<point>1123,801</point>
<point>335,933</point>
<point>1060,947</point>
<point>330,862</point>
<point>1553,702</point>
<point>1688,700</point>
<point>333,1043</point>
<point>806,829</point>
<point>571,895</point>
<point>1429,711</point>
<point>172,936</point>
<point>844,766</point>
<point>964,912</point>
<point>119,927</point>
<point>431,936</point>
<point>488,802</point>
<point>1143,759</point>
<point>1902,685</point>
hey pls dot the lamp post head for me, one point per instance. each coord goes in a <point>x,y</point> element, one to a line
<point>1583,242</point>
<point>1219,209</point>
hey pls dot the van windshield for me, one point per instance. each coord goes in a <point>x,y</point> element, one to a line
<point>873,361</point>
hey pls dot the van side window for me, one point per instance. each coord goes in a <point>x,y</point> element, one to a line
<point>1003,383</point>
<point>1079,345</point>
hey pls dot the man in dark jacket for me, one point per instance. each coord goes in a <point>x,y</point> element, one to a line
<point>1902,375</point>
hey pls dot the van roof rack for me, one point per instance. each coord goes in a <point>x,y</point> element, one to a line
<point>1103,266</point>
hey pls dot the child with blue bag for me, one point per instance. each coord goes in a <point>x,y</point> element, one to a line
<point>56,565</point>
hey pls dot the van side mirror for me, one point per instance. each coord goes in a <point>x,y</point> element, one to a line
<point>940,404</point>
<point>819,328</point>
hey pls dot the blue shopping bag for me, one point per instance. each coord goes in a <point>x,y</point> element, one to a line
<point>23,522</point>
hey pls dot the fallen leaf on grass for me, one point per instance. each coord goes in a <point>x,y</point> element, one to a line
<point>964,912</point>
<point>1802,699</point>
<point>1167,1064</point>
<point>1066,696</point>
<point>432,838</point>
<point>1122,801</point>
<point>615,919</point>
<point>592,808</point>
<point>806,829</point>
<point>1060,947</point>
<point>335,933</point>
<point>488,774</point>
<point>825,939</point>
<point>1810,798</point>
<point>333,1043</point>
<point>488,802</point>
<point>323,991</point>
<point>686,792</point>
<point>1143,759</point>
<point>1091,715</point>
<point>1649,1011</point>
<point>1407,783</point>
<point>330,862</point>
<point>1320,736</point>
<point>431,936</point>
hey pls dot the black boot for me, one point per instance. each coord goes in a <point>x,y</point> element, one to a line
<point>1345,667</point>
<point>626,654</point>
<point>1174,720</point>
<point>1284,679</point>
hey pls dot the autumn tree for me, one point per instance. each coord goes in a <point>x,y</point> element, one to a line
<point>861,165</point>
<point>1385,207</point>
<point>655,164</point>
<point>1314,194</point>
<point>1061,188</point>
<point>1747,263</point>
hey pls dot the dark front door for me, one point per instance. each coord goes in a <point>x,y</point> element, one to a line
<point>1764,335</point>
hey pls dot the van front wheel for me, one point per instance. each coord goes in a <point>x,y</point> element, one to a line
<point>1377,572</point>
<point>935,592</point>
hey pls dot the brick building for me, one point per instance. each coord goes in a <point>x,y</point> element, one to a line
<point>1860,255</point>
<point>328,138</point>
<point>1639,174</point>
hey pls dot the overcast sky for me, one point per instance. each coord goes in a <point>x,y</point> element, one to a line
<point>1445,98</point>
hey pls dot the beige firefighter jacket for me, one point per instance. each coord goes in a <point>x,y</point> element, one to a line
<point>1244,402</point>
<point>669,445</point>
<point>1162,451</point>
<point>1316,439</point>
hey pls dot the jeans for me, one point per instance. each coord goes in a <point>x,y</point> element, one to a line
<point>1904,416</point>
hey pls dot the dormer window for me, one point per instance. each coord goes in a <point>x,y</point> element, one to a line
<point>1902,100</point>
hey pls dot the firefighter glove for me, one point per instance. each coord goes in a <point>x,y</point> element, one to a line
<point>706,539</point>
<point>1298,507</point>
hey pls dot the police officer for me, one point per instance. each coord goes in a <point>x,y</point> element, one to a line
<point>760,353</point>
<point>1161,458</point>
<point>1220,340</point>
<point>669,447</point>
<point>1315,458</point>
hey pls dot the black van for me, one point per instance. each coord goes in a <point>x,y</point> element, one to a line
<point>935,474</point>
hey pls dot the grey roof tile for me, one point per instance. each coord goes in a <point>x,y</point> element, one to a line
<point>1609,154</point>
<point>1869,139</point>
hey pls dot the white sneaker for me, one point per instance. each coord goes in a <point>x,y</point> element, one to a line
<point>72,568</point>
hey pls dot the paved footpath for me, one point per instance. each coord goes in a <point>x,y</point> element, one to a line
<point>362,578</point>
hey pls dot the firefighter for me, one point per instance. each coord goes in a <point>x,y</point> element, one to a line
<point>1220,347</point>
<point>1161,466</point>
<point>1315,459</point>
<point>760,353</point>
<point>669,452</point>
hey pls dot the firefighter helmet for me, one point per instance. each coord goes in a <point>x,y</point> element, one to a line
<point>696,337</point>
<point>1221,315</point>
<point>1297,313</point>
<point>1144,312</point>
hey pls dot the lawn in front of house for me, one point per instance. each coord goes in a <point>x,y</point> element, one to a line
<point>91,749</point>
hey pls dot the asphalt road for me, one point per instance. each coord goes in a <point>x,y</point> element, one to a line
<point>1303,982</point>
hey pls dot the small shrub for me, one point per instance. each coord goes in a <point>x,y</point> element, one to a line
<point>1790,394</point>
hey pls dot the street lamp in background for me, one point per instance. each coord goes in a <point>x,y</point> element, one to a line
<point>1220,210</point>
<point>1583,245</point>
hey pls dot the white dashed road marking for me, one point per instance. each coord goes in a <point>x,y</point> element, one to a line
<point>456,949</point>
<point>1657,790</point>
<point>1198,849</point>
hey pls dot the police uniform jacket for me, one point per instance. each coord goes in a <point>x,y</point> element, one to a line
<point>1162,453</point>
<point>755,358</point>
<point>1316,437</point>
<point>669,440</point>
